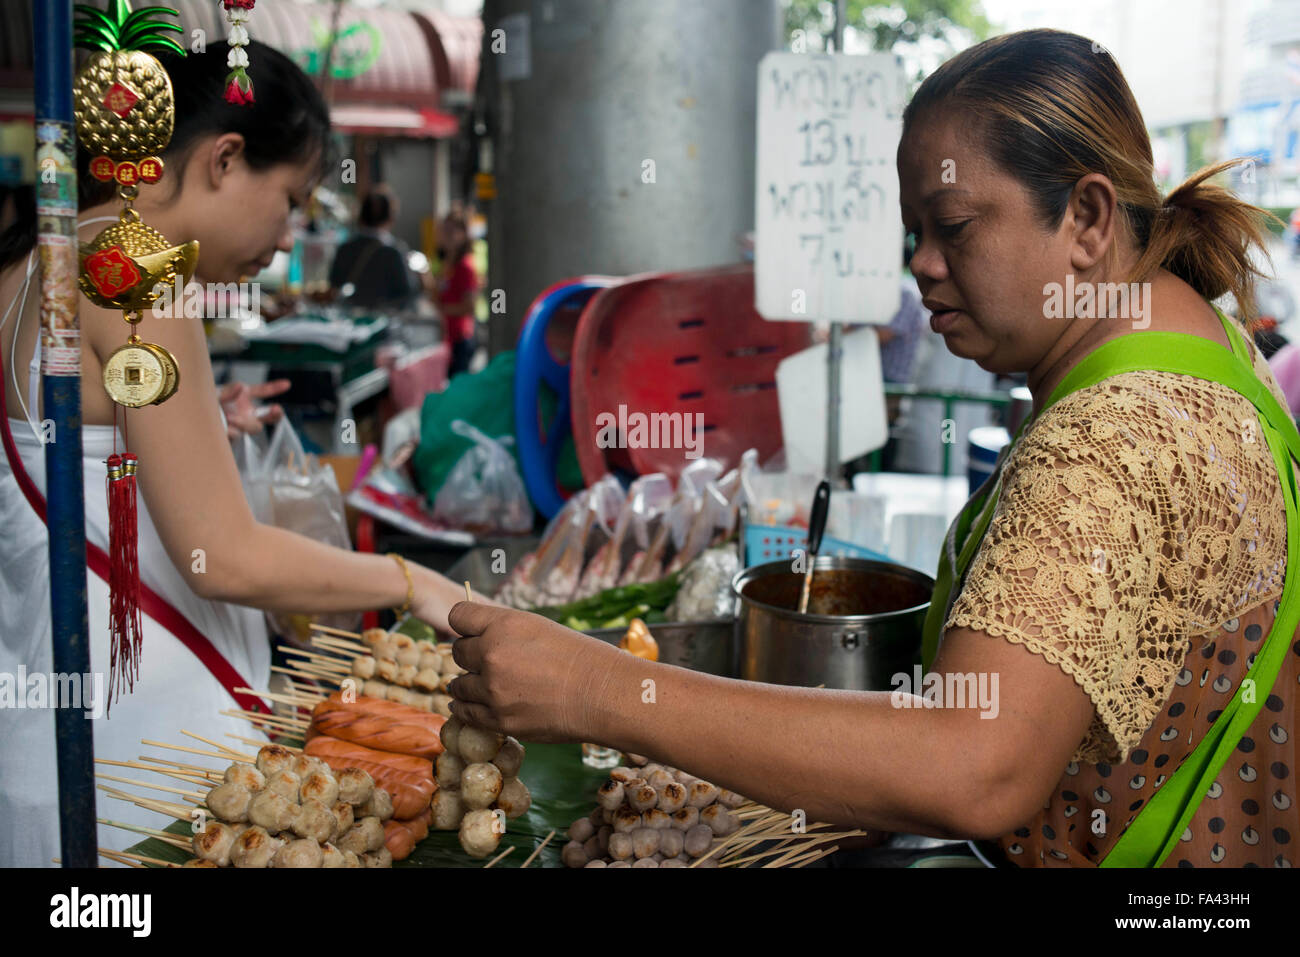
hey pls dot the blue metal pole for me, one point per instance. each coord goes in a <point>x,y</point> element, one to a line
<point>56,207</point>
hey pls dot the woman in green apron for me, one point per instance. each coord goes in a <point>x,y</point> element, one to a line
<point>1123,574</point>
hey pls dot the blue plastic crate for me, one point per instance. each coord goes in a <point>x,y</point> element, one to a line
<point>773,543</point>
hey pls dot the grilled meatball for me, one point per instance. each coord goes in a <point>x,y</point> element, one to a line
<point>229,802</point>
<point>449,768</point>
<point>247,775</point>
<point>450,735</point>
<point>479,833</point>
<point>285,783</point>
<point>355,785</point>
<point>510,758</point>
<point>380,858</point>
<point>303,853</point>
<point>315,821</point>
<point>271,810</point>
<point>319,786</point>
<point>514,798</point>
<point>213,843</point>
<point>305,764</point>
<point>331,856</point>
<point>477,745</point>
<point>274,758</point>
<point>379,804</point>
<point>448,809</point>
<point>343,817</point>
<point>254,848</point>
<point>479,784</point>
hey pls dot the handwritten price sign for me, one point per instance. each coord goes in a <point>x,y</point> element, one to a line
<point>829,239</point>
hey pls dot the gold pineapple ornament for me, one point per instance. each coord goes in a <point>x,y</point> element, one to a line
<point>124,110</point>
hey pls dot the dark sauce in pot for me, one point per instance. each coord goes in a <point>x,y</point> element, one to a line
<point>840,592</point>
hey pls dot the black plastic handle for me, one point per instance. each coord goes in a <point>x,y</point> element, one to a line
<point>817,521</point>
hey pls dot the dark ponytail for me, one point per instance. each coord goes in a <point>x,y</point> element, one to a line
<point>288,123</point>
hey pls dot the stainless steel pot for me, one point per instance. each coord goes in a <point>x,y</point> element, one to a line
<point>863,625</point>
<point>708,646</point>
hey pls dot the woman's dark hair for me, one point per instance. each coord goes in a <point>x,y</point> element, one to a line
<point>1052,107</point>
<point>376,208</point>
<point>457,219</point>
<point>288,123</point>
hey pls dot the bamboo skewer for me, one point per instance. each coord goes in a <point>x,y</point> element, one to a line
<point>255,717</point>
<point>297,701</point>
<point>304,653</point>
<point>500,857</point>
<point>537,850</point>
<point>188,750</point>
<point>178,811</point>
<point>163,836</point>
<point>336,631</point>
<point>216,744</point>
<point>208,773</point>
<point>262,744</point>
<point>179,775</point>
<point>816,855</point>
<point>146,784</point>
<point>114,857</point>
<point>350,648</point>
<point>132,857</point>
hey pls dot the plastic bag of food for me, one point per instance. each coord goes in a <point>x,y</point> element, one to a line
<point>737,487</point>
<point>651,564</point>
<point>484,492</point>
<point>646,498</point>
<point>709,513</point>
<point>705,592</point>
<point>521,589</point>
<point>558,583</point>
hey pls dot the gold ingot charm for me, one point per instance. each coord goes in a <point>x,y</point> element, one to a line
<point>123,266</point>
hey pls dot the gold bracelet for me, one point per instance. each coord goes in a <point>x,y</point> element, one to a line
<point>410,586</point>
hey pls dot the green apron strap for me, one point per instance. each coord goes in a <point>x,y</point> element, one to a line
<point>1153,834</point>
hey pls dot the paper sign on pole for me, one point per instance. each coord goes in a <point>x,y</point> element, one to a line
<point>829,239</point>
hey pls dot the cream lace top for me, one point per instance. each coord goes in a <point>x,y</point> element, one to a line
<point>1142,518</point>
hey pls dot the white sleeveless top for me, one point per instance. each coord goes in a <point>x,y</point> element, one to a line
<point>174,690</point>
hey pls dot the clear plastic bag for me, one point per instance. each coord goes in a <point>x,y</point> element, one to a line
<point>292,490</point>
<point>484,492</point>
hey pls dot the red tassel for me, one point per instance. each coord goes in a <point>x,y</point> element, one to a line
<point>125,624</point>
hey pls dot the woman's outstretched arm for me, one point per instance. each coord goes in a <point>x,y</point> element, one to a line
<point>841,756</point>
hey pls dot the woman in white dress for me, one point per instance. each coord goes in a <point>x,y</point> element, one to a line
<point>234,174</point>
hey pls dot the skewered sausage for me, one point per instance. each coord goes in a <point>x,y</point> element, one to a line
<point>408,731</point>
<point>407,778</point>
<point>399,840</point>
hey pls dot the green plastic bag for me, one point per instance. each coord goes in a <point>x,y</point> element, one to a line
<point>486,401</point>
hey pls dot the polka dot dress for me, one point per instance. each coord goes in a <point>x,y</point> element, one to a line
<point>1249,817</point>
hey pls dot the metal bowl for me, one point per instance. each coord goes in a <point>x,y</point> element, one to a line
<point>708,646</point>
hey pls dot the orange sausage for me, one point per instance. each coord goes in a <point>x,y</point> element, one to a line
<point>398,839</point>
<point>380,731</point>
<point>408,779</point>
